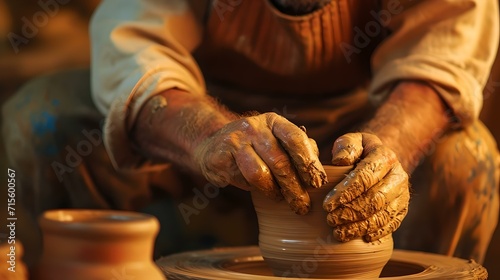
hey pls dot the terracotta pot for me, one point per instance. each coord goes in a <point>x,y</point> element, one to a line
<point>303,246</point>
<point>97,244</point>
<point>12,266</point>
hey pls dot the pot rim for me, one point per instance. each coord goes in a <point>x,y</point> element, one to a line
<point>98,222</point>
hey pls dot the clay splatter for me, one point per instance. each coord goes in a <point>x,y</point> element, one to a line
<point>43,123</point>
<point>43,126</point>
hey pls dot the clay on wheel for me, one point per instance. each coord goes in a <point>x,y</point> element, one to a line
<point>246,263</point>
<point>303,246</point>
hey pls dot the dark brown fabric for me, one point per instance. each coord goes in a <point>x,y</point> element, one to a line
<point>255,48</point>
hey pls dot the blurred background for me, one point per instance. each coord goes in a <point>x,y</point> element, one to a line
<point>61,42</point>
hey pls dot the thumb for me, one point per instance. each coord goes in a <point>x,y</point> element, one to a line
<point>347,149</point>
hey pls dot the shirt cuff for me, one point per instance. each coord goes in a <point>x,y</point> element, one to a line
<point>123,112</point>
<point>458,89</point>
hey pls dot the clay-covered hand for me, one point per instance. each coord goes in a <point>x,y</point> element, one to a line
<point>264,152</point>
<point>373,199</point>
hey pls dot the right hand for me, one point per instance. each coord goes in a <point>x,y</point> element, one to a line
<point>264,152</point>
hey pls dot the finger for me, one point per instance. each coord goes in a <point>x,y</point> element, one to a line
<point>238,180</point>
<point>367,173</point>
<point>374,200</point>
<point>347,149</point>
<point>283,172</point>
<point>391,227</point>
<point>216,171</point>
<point>227,169</point>
<point>350,231</point>
<point>314,146</point>
<point>256,172</point>
<point>297,145</point>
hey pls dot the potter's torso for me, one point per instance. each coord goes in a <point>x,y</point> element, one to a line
<point>249,46</point>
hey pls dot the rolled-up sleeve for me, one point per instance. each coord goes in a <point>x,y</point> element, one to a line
<point>451,44</point>
<point>140,48</point>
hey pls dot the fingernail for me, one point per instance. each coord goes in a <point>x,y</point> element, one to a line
<point>319,179</point>
<point>328,204</point>
<point>342,157</point>
<point>329,207</point>
<point>369,237</point>
<point>331,220</point>
<point>340,235</point>
<point>299,207</point>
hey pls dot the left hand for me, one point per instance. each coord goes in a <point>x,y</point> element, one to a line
<point>373,199</point>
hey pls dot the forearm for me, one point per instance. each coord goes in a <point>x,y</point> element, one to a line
<point>409,121</point>
<point>171,124</point>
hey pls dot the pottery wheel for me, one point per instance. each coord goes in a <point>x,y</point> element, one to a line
<point>246,263</point>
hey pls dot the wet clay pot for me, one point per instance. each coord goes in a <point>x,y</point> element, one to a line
<point>246,263</point>
<point>303,246</point>
<point>97,244</point>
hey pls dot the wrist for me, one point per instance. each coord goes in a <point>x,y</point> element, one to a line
<point>173,123</point>
<point>412,118</point>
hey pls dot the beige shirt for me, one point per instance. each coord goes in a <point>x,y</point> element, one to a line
<point>252,57</point>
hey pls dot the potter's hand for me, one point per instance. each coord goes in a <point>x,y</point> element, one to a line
<point>373,199</point>
<point>264,152</point>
